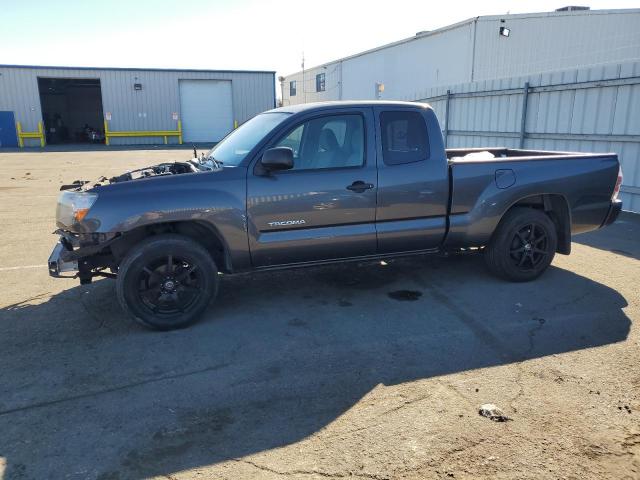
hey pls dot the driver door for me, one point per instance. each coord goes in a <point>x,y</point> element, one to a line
<point>324,207</point>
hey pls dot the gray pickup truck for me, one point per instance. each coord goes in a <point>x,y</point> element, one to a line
<point>319,183</point>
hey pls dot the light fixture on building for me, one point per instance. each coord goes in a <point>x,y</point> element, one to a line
<point>505,31</point>
<point>379,90</point>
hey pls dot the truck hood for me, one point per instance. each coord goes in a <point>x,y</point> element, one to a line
<point>163,192</point>
<point>153,171</point>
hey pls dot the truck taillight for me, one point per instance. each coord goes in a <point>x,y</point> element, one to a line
<point>616,189</point>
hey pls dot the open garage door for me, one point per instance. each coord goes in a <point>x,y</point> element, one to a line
<point>206,109</point>
<point>71,110</point>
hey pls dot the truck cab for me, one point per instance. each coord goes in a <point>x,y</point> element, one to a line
<point>347,194</point>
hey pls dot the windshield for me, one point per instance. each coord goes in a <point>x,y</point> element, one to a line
<point>234,147</point>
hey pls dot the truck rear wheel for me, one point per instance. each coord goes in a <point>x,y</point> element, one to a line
<point>166,282</point>
<point>523,245</point>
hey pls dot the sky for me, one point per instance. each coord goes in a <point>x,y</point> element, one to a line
<point>221,34</point>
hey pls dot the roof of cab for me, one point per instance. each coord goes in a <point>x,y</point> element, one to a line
<point>303,107</point>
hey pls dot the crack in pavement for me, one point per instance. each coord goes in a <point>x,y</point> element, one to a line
<point>111,390</point>
<point>404,404</point>
<point>479,330</point>
<point>519,365</point>
<point>320,473</point>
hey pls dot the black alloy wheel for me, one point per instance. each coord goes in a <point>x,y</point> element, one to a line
<point>523,245</point>
<point>529,247</point>
<point>169,285</point>
<point>166,281</point>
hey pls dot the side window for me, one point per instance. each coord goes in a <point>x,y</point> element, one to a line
<point>404,137</point>
<point>335,141</point>
<point>293,140</point>
<point>320,84</point>
<point>339,129</point>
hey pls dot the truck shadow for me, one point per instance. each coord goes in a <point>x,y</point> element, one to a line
<point>620,238</point>
<point>279,357</point>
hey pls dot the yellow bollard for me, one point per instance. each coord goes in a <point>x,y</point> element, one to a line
<point>106,133</point>
<point>19,130</point>
<point>41,134</point>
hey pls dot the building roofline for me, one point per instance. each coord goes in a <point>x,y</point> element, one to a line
<point>135,69</point>
<point>303,107</point>
<point>468,21</point>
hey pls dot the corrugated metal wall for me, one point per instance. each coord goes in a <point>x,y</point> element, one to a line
<point>148,109</point>
<point>474,50</point>
<point>590,110</point>
<point>546,42</point>
<point>439,58</point>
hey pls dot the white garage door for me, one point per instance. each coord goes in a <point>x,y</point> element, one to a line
<point>206,109</point>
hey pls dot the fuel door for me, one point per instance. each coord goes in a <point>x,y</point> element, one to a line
<point>505,178</point>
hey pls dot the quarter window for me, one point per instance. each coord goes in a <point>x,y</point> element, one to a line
<point>404,137</point>
<point>335,141</point>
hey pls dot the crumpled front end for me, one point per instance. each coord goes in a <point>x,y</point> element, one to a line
<point>82,256</point>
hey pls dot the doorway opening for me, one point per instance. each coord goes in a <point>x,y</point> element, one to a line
<point>71,110</point>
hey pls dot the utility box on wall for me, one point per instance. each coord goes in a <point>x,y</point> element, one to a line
<point>8,134</point>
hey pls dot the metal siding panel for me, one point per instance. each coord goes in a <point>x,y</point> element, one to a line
<point>598,110</point>
<point>252,94</point>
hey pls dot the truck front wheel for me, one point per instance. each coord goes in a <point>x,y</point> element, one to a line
<point>166,282</point>
<point>523,245</point>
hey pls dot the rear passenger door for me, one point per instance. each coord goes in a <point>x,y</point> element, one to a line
<point>413,183</point>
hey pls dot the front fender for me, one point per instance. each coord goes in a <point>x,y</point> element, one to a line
<point>216,198</point>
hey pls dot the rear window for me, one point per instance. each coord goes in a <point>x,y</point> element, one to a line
<point>404,137</point>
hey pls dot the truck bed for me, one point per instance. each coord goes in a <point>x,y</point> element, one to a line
<point>483,189</point>
<point>501,154</point>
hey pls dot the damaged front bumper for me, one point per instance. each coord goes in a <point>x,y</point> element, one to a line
<point>58,265</point>
<point>82,256</point>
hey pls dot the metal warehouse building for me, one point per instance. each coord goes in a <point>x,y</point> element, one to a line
<point>565,80</point>
<point>55,105</point>
<point>477,49</point>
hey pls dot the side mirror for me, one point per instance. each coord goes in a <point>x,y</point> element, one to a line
<point>278,158</point>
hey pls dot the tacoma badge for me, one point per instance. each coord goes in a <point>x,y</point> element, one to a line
<point>286,222</point>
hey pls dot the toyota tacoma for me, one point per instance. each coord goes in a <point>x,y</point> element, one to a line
<point>319,183</point>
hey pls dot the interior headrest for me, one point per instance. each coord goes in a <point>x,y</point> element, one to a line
<point>328,140</point>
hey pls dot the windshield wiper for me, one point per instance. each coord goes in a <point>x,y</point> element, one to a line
<point>216,163</point>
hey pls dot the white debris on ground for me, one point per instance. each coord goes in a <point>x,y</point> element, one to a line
<point>492,412</point>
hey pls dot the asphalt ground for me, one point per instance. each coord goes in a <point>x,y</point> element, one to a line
<point>363,371</point>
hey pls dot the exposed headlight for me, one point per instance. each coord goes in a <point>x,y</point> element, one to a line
<point>74,206</point>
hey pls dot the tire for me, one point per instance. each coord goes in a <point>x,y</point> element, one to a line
<point>523,245</point>
<point>166,282</point>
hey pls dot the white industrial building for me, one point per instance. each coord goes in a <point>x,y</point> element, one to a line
<point>476,49</point>
<point>565,80</point>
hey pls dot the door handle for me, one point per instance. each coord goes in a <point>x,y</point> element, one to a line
<point>359,186</point>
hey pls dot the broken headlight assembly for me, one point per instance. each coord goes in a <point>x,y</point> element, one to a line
<point>73,206</point>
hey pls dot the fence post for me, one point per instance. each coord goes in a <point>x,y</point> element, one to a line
<point>446,119</point>
<point>523,121</point>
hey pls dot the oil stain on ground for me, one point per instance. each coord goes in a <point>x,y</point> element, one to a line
<point>405,295</point>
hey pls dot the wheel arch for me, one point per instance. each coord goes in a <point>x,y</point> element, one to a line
<point>556,207</point>
<point>203,233</point>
